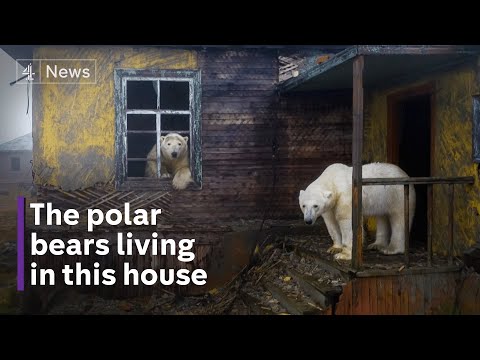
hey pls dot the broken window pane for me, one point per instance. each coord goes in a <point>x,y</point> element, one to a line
<point>136,168</point>
<point>173,123</point>
<point>141,95</point>
<point>141,122</point>
<point>174,95</point>
<point>139,145</point>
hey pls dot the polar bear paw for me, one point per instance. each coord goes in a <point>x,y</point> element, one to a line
<point>344,255</point>
<point>182,178</point>
<point>334,249</point>
<point>376,246</point>
<point>166,175</point>
<point>390,250</point>
<point>179,184</point>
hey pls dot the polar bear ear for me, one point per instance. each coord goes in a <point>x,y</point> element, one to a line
<point>185,138</point>
<point>162,138</point>
<point>327,194</point>
<point>301,192</point>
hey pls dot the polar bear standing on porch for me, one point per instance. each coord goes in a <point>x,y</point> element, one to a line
<point>174,159</point>
<point>331,197</point>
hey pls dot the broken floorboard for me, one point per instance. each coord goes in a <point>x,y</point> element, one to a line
<point>322,294</point>
<point>293,306</point>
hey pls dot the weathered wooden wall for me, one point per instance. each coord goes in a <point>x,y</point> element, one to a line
<point>425,294</point>
<point>469,295</point>
<point>452,150</point>
<point>241,116</point>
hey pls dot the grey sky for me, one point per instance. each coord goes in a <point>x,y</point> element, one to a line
<point>14,121</point>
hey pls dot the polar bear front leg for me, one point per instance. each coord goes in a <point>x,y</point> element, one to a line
<point>382,235</point>
<point>164,172</point>
<point>182,178</point>
<point>334,231</point>
<point>347,235</point>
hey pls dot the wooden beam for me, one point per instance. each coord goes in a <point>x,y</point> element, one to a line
<point>406,219</point>
<point>451,198</point>
<point>429,224</point>
<point>416,49</point>
<point>419,180</point>
<point>357,150</point>
<point>408,271</point>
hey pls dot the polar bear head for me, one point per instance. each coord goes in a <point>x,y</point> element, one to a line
<point>314,203</point>
<point>174,146</point>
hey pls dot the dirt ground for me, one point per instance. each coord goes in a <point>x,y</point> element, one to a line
<point>8,234</point>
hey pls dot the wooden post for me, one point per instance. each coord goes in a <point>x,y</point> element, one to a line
<point>357,150</point>
<point>451,195</point>
<point>406,217</point>
<point>429,222</point>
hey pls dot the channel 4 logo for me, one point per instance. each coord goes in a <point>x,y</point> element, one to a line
<point>57,71</point>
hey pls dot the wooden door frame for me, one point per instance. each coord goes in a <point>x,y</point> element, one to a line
<point>392,119</point>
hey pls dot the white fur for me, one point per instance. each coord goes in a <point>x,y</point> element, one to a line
<point>178,167</point>
<point>330,196</point>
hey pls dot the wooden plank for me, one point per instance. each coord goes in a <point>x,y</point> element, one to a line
<point>419,180</point>
<point>357,297</point>
<point>451,204</point>
<point>415,49</point>
<point>428,281</point>
<point>419,305</point>
<point>293,307</point>
<point>388,283</point>
<point>357,151</point>
<point>410,271</point>
<point>372,289</point>
<point>469,295</point>
<point>325,264</point>
<point>253,304</point>
<point>396,295</point>
<point>345,301</point>
<point>322,295</point>
<point>429,224</point>
<point>364,296</point>
<point>381,307</point>
<point>406,219</point>
<point>404,295</point>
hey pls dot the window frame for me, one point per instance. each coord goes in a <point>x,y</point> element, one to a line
<point>17,159</point>
<point>121,76</point>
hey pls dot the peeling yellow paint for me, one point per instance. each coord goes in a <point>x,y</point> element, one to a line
<point>452,151</point>
<point>74,124</point>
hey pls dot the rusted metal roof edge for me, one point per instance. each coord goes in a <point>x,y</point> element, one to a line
<point>349,53</point>
<point>317,69</point>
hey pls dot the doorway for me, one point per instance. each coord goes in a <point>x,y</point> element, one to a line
<point>410,147</point>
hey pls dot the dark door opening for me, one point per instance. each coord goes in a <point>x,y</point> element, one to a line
<point>410,145</point>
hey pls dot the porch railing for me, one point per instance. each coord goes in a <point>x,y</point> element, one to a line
<point>429,182</point>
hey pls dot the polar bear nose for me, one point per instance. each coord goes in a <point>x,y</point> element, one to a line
<point>308,222</point>
<point>174,154</point>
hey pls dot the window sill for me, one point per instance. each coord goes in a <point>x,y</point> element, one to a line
<point>154,185</point>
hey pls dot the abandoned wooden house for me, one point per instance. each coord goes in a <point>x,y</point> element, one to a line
<point>255,141</point>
